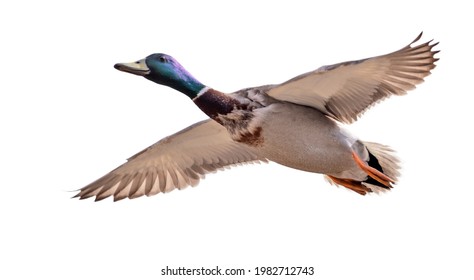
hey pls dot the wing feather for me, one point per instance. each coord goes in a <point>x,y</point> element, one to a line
<point>177,161</point>
<point>345,90</point>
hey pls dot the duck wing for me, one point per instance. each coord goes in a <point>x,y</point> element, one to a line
<point>345,90</point>
<point>176,161</point>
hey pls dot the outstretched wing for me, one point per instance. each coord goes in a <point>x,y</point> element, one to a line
<point>176,161</point>
<point>345,90</point>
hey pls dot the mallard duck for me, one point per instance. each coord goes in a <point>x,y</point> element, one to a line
<point>295,124</point>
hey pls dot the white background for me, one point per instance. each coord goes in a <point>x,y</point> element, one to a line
<point>67,117</point>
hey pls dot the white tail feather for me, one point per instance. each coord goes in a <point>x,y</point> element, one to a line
<point>387,160</point>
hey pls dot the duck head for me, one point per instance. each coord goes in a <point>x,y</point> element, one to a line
<point>165,70</point>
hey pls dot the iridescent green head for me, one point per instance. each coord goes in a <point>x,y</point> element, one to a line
<point>165,70</point>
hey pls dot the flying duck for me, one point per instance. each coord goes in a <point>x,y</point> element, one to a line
<point>295,124</point>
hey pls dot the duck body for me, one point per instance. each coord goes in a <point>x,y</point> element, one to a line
<point>274,129</point>
<point>325,148</point>
<point>295,124</point>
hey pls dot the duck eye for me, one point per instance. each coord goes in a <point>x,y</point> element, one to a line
<point>163,59</point>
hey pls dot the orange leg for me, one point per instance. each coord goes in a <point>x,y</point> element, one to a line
<point>372,172</point>
<point>351,184</point>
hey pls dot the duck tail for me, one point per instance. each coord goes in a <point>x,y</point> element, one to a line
<point>382,169</point>
<point>386,158</point>
<point>382,158</point>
